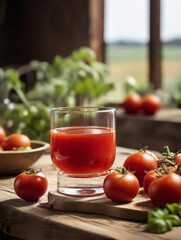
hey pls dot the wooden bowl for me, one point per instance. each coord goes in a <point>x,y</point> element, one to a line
<point>13,162</point>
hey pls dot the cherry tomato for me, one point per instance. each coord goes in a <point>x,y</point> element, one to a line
<point>148,178</point>
<point>152,175</point>
<point>166,189</point>
<point>121,187</point>
<point>16,141</point>
<point>139,163</point>
<point>31,185</point>
<point>178,158</point>
<point>151,104</point>
<point>132,103</point>
<point>2,134</point>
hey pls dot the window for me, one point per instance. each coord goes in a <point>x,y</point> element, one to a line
<point>126,37</point>
<point>171,49</point>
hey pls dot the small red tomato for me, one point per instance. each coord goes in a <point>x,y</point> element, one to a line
<point>2,134</point>
<point>31,185</point>
<point>178,158</point>
<point>121,187</point>
<point>166,189</point>
<point>16,141</point>
<point>151,104</point>
<point>152,175</point>
<point>139,163</point>
<point>132,103</point>
<point>148,178</point>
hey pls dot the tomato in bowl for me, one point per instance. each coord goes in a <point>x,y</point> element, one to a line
<point>14,161</point>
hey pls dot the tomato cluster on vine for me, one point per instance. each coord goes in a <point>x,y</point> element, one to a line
<point>163,184</point>
<point>160,178</point>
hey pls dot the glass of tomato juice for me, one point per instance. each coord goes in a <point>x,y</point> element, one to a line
<point>83,148</point>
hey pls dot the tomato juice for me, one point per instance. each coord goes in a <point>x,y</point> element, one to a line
<point>83,150</point>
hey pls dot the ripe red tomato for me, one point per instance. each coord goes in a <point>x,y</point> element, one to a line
<point>148,178</point>
<point>151,104</point>
<point>178,158</point>
<point>139,163</point>
<point>121,187</point>
<point>16,141</point>
<point>31,185</point>
<point>152,175</point>
<point>2,134</point>
<point>166,189</point>
<point>132,103</point>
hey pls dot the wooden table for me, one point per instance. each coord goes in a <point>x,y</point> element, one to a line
<point>36,221</point>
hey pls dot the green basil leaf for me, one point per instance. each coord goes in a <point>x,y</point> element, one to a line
<point>176,221</point>
<point>159,226</point>
<point>174,208</point>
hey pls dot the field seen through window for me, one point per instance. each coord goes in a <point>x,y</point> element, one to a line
<point>124,61</point>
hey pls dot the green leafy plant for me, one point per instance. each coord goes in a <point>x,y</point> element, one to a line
<point>74,80</point>
<point>19,114</point>
<point>162,220</point>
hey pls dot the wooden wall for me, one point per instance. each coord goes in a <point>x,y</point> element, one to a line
<point>42,29</point>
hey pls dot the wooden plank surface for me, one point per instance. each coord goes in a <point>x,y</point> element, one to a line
<point>135,210</point>
<point>35,220</point>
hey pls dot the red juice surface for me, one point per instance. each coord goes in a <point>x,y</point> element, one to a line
<point>83,150</point>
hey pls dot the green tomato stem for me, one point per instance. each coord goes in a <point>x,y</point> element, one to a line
<point>167,150</point>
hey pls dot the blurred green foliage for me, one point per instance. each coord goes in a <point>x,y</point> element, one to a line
<point>18,114</point>
<point>177,94</point>
<point>66,78</point>
<point>59,83</point>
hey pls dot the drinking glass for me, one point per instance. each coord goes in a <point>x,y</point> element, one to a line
<point>83,148</point>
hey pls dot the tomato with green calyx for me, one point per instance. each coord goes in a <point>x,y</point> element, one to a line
<point>15,141</point>
<point>2,134</point>
<point>166,189</point>
<point>30,185</point>
<point>141,162</point>
<point>153,174</point>
<point>121,186</point>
